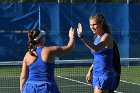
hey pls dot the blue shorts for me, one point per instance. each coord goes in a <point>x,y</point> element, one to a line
<point>108,83</point>
<point>40,87</point>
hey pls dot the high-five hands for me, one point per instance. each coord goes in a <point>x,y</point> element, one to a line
<point>71,32</point>
<point>79,31</point>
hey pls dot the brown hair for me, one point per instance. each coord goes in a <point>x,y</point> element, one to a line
<point>100,19</point>
<point>31,42</point>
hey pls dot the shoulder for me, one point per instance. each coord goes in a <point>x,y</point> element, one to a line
<point>28,58</point>
<point>27,54</point>
<point>47,48</point>
<point>107,37</point>
<point>51,48</point>
<point>108,40</point>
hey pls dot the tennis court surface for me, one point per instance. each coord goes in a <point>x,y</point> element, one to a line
<point>70,76</point>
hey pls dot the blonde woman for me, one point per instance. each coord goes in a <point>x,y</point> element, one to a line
<point>104,75</point>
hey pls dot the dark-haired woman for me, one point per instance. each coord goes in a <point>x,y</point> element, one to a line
<point>37,74</point>
<point>102,70</point>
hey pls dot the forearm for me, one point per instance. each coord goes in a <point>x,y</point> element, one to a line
<point>90,69</point>
<point>89,44</point>
<point>71,42</point>
<point>62,50</point>
<point>89,74</point>
<point>66,49</point>
<point>22,81</point>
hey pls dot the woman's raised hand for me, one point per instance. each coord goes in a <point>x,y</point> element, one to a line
<point>79,30</point>
<point>71,32</point>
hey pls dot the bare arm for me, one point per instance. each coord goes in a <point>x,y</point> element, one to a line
<point>23,75</point>
<point>106,40</point>
<point>63,50</point>
<point>93,47</point>
<point>88,76</point>
<point>90,69</point>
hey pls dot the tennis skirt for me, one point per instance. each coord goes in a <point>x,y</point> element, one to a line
<point>40,87</point>
<point>108,83</point>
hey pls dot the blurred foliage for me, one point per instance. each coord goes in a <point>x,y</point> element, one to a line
<point>75,1</point>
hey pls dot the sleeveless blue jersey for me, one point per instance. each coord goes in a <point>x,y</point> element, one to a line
<point>40,77</point>
<point>103,65</point>
<point>40,70</point>
<point>103,70</point>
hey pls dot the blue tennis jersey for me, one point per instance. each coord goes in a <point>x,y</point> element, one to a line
<point>40,70</point>
<point>104,75</point>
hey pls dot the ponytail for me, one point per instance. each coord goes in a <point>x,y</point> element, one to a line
<point>31,43</point>
<point>31,48</point>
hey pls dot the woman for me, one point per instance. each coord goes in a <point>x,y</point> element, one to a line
<point>37,74</point>
<point>104,75</point>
